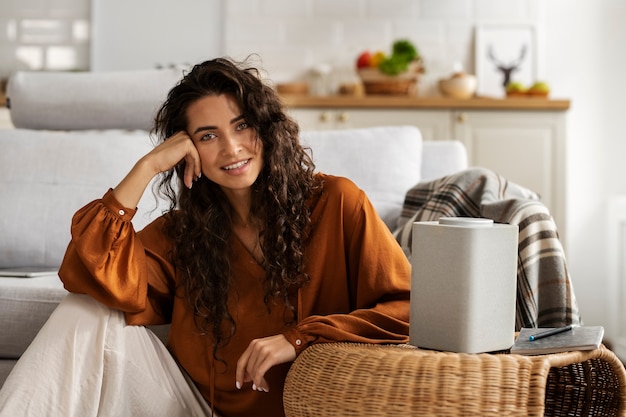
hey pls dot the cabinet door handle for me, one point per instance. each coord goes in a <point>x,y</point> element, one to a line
<point>461,117</point>
<point>324,117</point>
<point>344,117</point>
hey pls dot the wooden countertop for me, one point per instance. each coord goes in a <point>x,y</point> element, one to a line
<point>435,102</point>
<point>401,102</point>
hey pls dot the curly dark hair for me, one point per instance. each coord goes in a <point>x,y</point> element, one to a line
<point>199,220</point>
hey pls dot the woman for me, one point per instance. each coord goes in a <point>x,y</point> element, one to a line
<point>258,256</point>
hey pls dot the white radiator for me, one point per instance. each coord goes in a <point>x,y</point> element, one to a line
<point>616,251</point>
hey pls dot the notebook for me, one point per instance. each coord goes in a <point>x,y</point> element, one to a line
<point>28,271</point>
<point>578,338</point>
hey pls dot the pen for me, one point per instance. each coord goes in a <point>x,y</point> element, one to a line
<point>550,332</point>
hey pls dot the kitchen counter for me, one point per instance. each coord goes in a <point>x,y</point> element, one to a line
<point>402,102</point>
<point>434,102</point>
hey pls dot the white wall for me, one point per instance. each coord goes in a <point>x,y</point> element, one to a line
<point>142,34</point>
<point>585,59</point>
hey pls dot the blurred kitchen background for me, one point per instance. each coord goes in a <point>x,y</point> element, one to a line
<point>579,52</point>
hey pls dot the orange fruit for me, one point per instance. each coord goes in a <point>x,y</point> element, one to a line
<point>376,59</point>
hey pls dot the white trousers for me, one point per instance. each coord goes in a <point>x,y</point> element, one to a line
<point>86,361</point>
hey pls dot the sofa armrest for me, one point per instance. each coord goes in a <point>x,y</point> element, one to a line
<point>338,379</point>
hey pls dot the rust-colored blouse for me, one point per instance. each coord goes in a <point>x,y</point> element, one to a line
<point>359,289</point>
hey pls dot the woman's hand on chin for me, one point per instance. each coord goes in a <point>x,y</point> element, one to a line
<point>162,158</point>
<point>175,149</point>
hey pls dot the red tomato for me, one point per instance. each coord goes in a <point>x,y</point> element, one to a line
<point>363,61</point>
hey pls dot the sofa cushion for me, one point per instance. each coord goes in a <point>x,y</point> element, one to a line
<point>88,100</point>
<point>441,158</point>
<point>384,162</point>
<point>45,177</point>
<point>26,304</point>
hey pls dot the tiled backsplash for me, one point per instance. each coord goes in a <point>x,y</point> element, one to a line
<point>291,37</point>
<point>44,35</point>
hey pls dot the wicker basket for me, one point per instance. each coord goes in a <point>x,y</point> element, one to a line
<point>391,87</point>
<point>341,379</point>
<point>375,82</point>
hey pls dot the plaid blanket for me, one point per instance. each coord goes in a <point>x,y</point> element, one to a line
<point>545,296</point>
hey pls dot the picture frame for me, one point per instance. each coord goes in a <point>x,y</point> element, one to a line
<point>504,53</point>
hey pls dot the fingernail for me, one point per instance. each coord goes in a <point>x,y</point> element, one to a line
<point>254,387</point>
<point>238,385</point>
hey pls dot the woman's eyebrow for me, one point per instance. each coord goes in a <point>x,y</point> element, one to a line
<point>236,119</point>
<point>203,128</point>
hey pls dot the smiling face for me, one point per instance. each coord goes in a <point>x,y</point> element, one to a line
<point>230,151</point>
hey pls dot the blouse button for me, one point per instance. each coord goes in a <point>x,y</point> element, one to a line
<point>298,342</point>
<point>121,212</point>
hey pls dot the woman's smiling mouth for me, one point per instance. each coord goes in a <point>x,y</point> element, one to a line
<point>236,165</point>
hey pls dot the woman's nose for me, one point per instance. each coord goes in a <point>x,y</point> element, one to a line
<point>230,144</point>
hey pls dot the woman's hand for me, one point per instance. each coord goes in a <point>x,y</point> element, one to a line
<point>162,158</point>
<point>259,357</point>
<point>169,153</point>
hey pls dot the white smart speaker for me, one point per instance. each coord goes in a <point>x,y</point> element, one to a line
<point>464,275</point>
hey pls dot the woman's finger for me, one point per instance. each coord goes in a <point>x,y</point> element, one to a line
<point>192,167</point>
<point>259,357</point>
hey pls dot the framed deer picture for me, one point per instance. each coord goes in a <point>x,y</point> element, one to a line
<point>503,54</point>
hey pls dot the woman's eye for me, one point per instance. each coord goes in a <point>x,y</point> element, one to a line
<point>242,126</point>
<point>207,136</point>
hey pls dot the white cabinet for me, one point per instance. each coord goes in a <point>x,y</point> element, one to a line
<point>525,146</point>
<point>433,124</point>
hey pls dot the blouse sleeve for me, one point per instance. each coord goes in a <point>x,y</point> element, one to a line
<point>379,277</point>
<point>122,269</point>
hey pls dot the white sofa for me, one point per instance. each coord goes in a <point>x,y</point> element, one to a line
<point>77,134</point>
